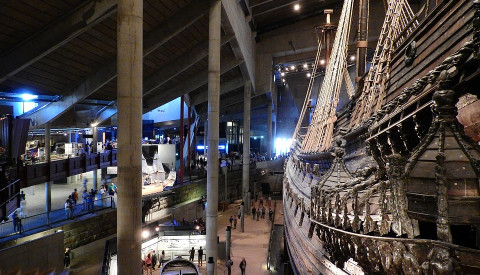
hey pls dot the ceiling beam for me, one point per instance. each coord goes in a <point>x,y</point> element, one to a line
<point>234,21</point>
<point>191,84</point>
<point>225,87</point>
<point>81,19</point>
<point>175,25</point>
<point>180,64</point>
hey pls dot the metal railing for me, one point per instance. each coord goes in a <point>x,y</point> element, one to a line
<point>271,236</point>
<point>25,224</point>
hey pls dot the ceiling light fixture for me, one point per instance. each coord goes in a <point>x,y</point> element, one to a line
<point>282,74</point>
<point>305,66</point>
<point>309,75</point>
<point>283,80</point>
<point>322,62</point>
<point>352,58</point>
<point>296,7</point>
<point>292,67</point>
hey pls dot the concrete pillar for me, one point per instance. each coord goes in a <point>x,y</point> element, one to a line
<point>228,241</point>
<point>214,33</point>
<point>182,141</point>
<point>129,94</point>
<point>242,217</point>
<point>246,144</point>
<point>211,270</point>
<point>94,140</point>
<point>205,127</point>
<point>69,136</point>
<point>225,172</point>
<point>269,131</point>
<point>95,180</point>
<point>48,184</point>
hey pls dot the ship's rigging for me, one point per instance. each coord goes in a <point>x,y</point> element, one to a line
<point>399,22</point>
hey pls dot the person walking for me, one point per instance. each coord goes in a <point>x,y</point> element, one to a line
<point>192,254</point>
<point>270,214</point>
<point>231,221</point>
<point>67,209</point>
<point>154,260</point>
<point>253,212</point>
<point>235,222</point>
<point>200,256</point>
<point>239,212</point>
<point>85,198</point>
<point>162,257</point>
<point>66,258</point>
<point>263,212</point>
<point>148,264</point>
<point>243,266</point>
<point>229,264</point>
<point>75,196</point>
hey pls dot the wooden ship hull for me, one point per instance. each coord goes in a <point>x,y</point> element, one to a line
<point>401,193</point>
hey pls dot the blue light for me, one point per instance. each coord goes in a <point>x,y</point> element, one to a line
<point>28,96</point>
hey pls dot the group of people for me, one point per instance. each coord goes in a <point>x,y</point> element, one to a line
<point>200,255</point>
<point>150,261</point>
<point>260,212</point>
<point>242,266</point>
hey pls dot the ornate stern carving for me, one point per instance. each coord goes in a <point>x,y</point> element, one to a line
<point>402,222</point>
<point>369,225</point>
<point>346,221</point>
<point>338,220</point>
<point>316,170</point>
<point>384,227</point>
<point>356,218</point>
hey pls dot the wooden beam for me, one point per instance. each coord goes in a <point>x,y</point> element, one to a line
<point>54,36</point>
<point>107,72</point>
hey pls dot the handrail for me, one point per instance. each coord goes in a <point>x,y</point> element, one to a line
<point>55,216</point>
<point>110,249</point>
<point>271,235</point>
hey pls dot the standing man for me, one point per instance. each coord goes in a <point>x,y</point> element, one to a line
<point>192,254</point>
<point>154,259</point>
<point>253,212</point>
<point>200,256</point>
<point>229,264</point>
<point>243,266</point>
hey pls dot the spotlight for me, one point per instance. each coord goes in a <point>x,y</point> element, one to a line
<point>28,96</point>
<point>157,228</point>
<point>282,74</point>
<point>322,62</point>
<point>352,58</point>
<point>94,124</point>
<point>283,80</point>
<point>145,234</point>
<point>292,67</point>
<point>197,227</point>
<point>309,75</point>
<point>296,7</point>
<point>305,66</point>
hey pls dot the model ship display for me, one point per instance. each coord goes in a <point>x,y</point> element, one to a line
<point>391,184</point>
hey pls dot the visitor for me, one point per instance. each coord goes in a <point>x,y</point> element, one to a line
<point>91,200</point>
<point>192,254</point>
<point>231,220</point>
<point>200,256</point>
<point>162,257</point>
<point>229,264</point>
<point>239,212</point>
<point>254,211</point>
<point>84,184</point>
<point>85,198</point>
<point>154,259</point>
<point>66,258</point>
<point>148,264</point>
<point>68,210</point>
<point>263,212</point>
<point>270,214</point>
<point>235,222</point>
<point>75,196</point>
<point>243,266</point>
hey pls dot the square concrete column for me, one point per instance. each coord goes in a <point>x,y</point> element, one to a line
<point>129,95</point>
<point>269,130</point>
<point>48,184</point>
<point>214,34</point>
<point>246,145</point>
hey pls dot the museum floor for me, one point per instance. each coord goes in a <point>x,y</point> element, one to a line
<point>252,244</point>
